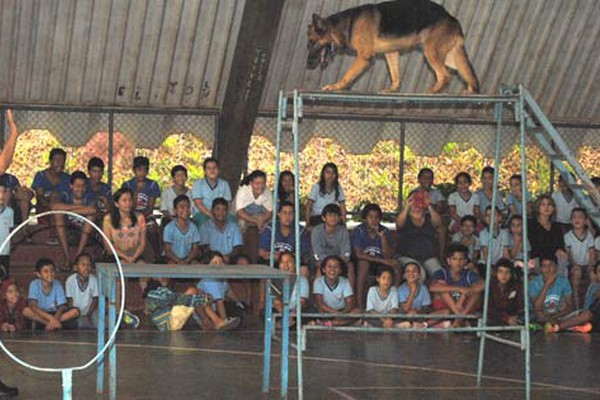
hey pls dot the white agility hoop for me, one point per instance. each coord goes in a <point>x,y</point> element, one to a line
<point>67,372</point>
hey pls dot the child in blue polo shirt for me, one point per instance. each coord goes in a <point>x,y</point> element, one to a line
<point>455,289</point>
<point>550,294</point>
<point>220,234</point>
<point>205,190</point>
<point>181,237</point>
<point>47,298</point>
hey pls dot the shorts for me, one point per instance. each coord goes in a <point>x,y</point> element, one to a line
<point>438,304</point>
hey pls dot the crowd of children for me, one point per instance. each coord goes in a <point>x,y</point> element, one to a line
<point>433,264</point>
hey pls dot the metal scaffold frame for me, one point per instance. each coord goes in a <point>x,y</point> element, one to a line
<point>286,124</point>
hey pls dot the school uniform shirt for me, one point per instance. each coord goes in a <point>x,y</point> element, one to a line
<point>555,296</point>
<point>467,279</point>
<point>82,294</point>
<point>245,200</point>
<point>181,241</point>
<point>283,243</point>
<point>511,200</point>
<point>485,202</point>
<point>422,298</point>
<point>92,196</point>
<point>579,248</point>
<point>463,206</point>
<point>564,207</point>
<point>320,200</point>
<point>205,192</point>
<point>510,242</point>
<point>497,245</point>
<point>335,244</point>
<point>435,196</point>
<point>304,291</point>
<point>48,302</point>
<point>371,245</point>
<point>333,296</point>
<point>217,288</point>
<point>68,198</point>
<point>143,191</point>
<point>382,305</point>
<point>221,240</point>
<point>7,222</point>
<point>167,198</point>
<point>473,247</point>
<point>41,181</point>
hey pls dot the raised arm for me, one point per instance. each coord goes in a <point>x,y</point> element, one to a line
<point>6,156</point>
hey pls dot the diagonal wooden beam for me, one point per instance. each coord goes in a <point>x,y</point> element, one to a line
<point>249,69</point>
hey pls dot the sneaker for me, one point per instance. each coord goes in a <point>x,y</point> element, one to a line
<point>535,327</point>
<point>130,319</point>
<point>550,328</point>
<point>585,328</point>
<point>229,323</point>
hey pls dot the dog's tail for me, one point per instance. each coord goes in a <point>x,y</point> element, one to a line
<point>457,59</point>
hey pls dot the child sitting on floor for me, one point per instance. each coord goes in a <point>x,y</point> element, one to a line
<point>513,248</point>
<point>218,289</point>
<point>455,289</point>
<point>506,301</point>
<point>589,318</point>
<point>13,308</point>
<point>550,294</point>
<point>47,299</point>
<point>82,292</point>
<point>382,298</point>
<point>463,201</point>
<point>498,239</point>
<point>333,293</point>
<point>179,174</point>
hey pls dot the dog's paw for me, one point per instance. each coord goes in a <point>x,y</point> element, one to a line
<point>334,87</point>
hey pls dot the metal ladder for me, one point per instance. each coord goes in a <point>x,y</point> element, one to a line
<point>540,129</point>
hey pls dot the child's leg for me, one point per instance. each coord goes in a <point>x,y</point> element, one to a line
<point>585,316</point>
<point>86,231</point>
<point>221,308</point>
<point>361,284</point>
<point>450,302</point>
<point>29,313</point>
<point>347,321</point>
<point>69,315</point>
<point>576,276</point>
<point>473,303</point>
<point>61,232</point>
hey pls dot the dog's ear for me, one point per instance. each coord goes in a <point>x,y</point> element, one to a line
<point>318,23</point>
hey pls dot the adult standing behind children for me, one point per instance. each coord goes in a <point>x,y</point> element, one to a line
<point>6,157</point>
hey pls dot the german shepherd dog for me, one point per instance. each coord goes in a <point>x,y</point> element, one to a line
<point>390,28</point>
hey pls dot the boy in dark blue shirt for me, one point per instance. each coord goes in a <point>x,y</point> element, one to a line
<point>456,289</point>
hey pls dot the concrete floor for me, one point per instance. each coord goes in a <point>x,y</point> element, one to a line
<point>193,364</point>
